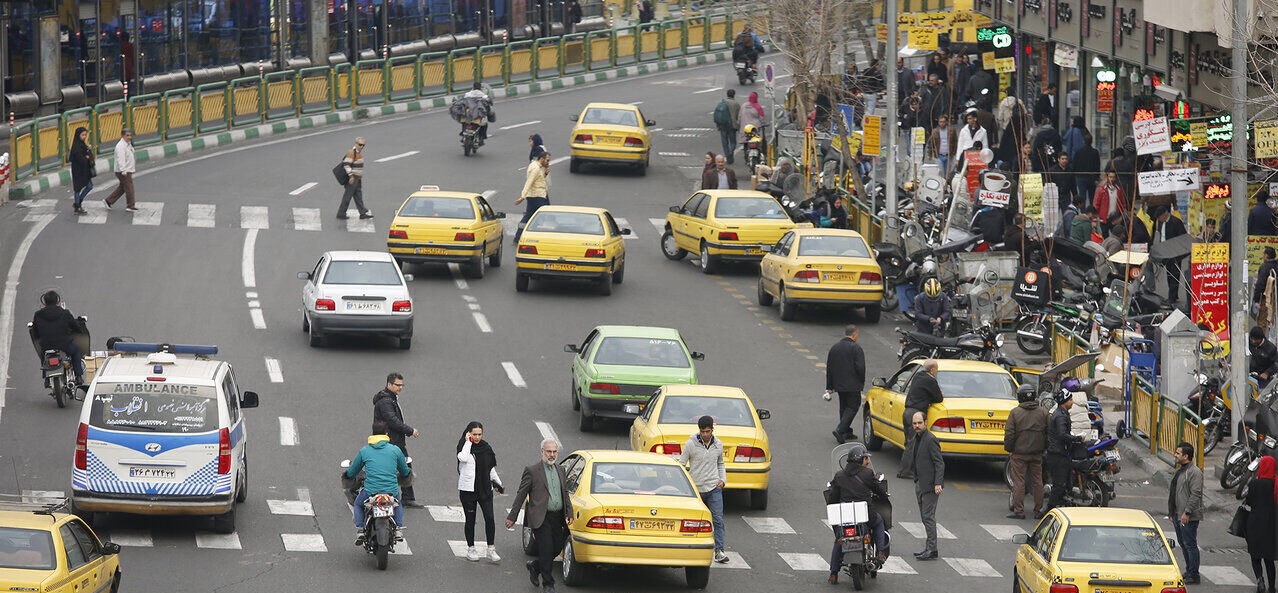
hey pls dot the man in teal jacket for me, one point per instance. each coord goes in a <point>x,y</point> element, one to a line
<point>383,465</point>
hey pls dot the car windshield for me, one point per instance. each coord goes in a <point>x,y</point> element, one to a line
<point>687,409</point>
<point>26,549</point>
<point>644,352</point>
<point>439,208</point>
<point>976,384</point>
<point>640,478</point>
<point>1114,545</point>
<point>612,117</point>
<point>154,407</point>
<point>378,273</point>
<point>582,223</point>
<point>748,208</point>
<point>835,245</point>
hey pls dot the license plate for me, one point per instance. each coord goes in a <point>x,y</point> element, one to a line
<point>753,251</point>
<point>738,65</point>
<point>164,473</point>
<point>608,140</point>
<point>383,511</point>
<point>852,545</point>
<point>1113,454</point>
<point>987,425</point>
<point>653,525</point>
<point>430,251</point>
<point>363,306</point>
<point>561,267</point>
<point>838,276</point>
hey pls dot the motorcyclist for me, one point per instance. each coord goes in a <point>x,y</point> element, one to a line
<point>857,482</point>
<point>1264,356</point>
<point>54,326</point>
<point>477,92</point>
<point>1059,441</point>
<point>932,308</point>
<point>383,464</point>
<point>746,46</point>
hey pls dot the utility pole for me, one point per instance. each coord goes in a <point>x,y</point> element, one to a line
<point>1239,299</point>
<point>890,119</point>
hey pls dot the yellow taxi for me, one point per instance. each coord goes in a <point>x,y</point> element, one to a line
<point>42,549</point>
<point>573,243</point>
<point>725,225</point>
<point>821,267</point>
<point>969,423</point>
<point>1086,549</point>
<point>636,509</point>
<point>670,418</point>
<point>610,133</point>
<point>440,227</point>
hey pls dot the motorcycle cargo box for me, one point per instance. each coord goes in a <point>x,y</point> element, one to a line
<point>847,512</point>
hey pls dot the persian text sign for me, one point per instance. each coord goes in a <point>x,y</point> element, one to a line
<point>1266,135</point>
<point>1152,135</point>
<point>871,126</point>
<point>1166,181</point>
<point>1209,285</point>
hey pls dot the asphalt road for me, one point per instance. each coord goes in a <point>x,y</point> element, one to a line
<point>227,234</point>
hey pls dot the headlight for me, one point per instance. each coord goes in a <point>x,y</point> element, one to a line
<point>1202,379</point>
<point>998,340</point>
<point>1270,442</point>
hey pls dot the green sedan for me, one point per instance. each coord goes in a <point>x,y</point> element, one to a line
<point>624,364</point>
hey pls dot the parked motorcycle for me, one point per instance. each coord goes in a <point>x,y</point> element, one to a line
<point>1091,475</point>
<point>380,531</point>
<point>984,343</point>
<point>1208,403</point>
<point>56,367</point>
<point>1255,438</point>
<point>853,530</point>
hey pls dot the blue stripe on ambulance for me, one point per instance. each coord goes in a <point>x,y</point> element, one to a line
<point>97,477</point>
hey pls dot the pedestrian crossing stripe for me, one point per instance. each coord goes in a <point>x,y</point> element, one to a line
<point>734,561</point>
<point>446,514</point>
<point>972,567</point>
<point>1003,532</point>
<point>768,524</point>
<point>199,216</point>
<point>132,538</point>
<point>303,542</point>
<point>217,541</point>
<point>1226,575</point>
<point>916,530</point>
<point>805,561</point>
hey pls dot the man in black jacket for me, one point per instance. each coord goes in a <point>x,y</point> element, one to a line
<point>923,392</point>
<point>1264,356</point>
<point>54,326</point>
<point>845,374</point>
<point>386,409</point>
<point>856,482</point>
<point>1170,227</point>
<point>1059,440</point>
<point>929,480</point>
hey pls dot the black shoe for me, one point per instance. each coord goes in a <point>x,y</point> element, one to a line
<point>413,504</point>
<point>834,579</point>
<point>366,216</point>
<point>933,555</point>
<point>839,437</point>
<point>1194,580</point>
<point>851,436</point>
<point>1016,516</point>
<point>533,575</point>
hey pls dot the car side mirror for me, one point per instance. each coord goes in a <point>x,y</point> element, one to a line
<point>408,277</point>
<point>572,118</point>
<point>879,382</point>
<point>698,356</point>
<point>571,348</point>
<point>677,209</point>
<point>303,275</point>
<point>501,215</point>
<point>248,399</point>
<point>625,231</point>
<point>650,122</point>
<point>110,548</point>
<point>1021,538</point>
<point>763,414</point>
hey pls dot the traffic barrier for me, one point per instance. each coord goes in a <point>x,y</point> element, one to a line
<point>1162,423</point>
<point>1066,344</point>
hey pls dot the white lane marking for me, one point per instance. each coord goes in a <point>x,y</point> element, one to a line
<point>520,125</point>
<point>473,306</point>
<point>251,294</point>
<point>217,541</point>
<point>803,561</point>
<point>11,300</point>
<point>659,223</point>
<point>39,209</point>
<point>259,321</point>
<point>133,538</point>
<point>469,299</point>
<point>734,561</point>
<point>148,213</point>
<point>43,496</point>
<point>392,157</point>
<point>704,91</point>
<point>301,506</point>
<point>559,160</point>
<point>97,212</point>
<point>455,270</point>
<point>254,217</point>
<point>972,567</point>
<point>446,514</point>
<point>402,549</point>
<point>895,565</point>
<point>273,370</point>
<point>625,224</point>
<point>482,322</point>
<point>768,524</point>
<point>1225,575</point>
<point>636,102</point>
<point>512,373</point>
<point>304,187</point>
<point>458,547</point>
<point>674,154</point>
<point>489,194</point>
<point>303,542</point>
<point>306,219</point>
<point>246,260</point>
<point>547,431</point>
<point>781,76</point>
<point>916,530</point>
<point>288,431</point>
<point>1003,533</point>
<point>696,129</point>
<point>355,224</point>
<point>201,215</point>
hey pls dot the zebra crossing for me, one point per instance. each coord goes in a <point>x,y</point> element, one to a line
<point>198,216</point>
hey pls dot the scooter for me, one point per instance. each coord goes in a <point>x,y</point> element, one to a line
<point>853,530</point>
<point>55,365</point>
<point>380,531</point>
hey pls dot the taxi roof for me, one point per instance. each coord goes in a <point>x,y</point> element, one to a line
<point>626,456</point>
<point>445,194</point>
<point>30,519</point>
<point>621,106</point>
<point>980,366</point>
<point>638,331</point>
<point>706,391</point>
<point>360,256</point>
<point>1111,516</point>
<point>194,370</point>
<point>736,193</point>
<point>809,231</point>
<point>577,209</point>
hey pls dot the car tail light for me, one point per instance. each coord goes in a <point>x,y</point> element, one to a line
<point>398,234</point>
<point>664,449</point>
<point>952,424</point>
<point>325,305</point>
<point>726,236</point>
<point>1167,590</point>
<point>696,526</point>
<point>54,361</point>
<point>82,447</point>
<point>224,451</point>
<point>749,455</point>
<point>402,306</point>
<point>606,523</point>
<point>584,139</point>
<point>1067,588</point>
<point>528,249</point>
<point>807,276</point>
<point>464,237</point>
<point>599,253</point>
<point>632,142</point>
<point>605,388</point>
<point>871,278</point>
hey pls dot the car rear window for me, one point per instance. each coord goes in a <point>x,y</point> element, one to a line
<point>439,208</point>
<point>379,273</point>
<point>976,384</point>
<point>26,549</point>
<point>833,245</point>
<point>1114,545</point>
<point>748,208</point>
<point>687,409</point>
<point>645,352</point>
<point>582,223</point>
<point>640,478</point>
<point>612,117</point>
<point>154,407</point>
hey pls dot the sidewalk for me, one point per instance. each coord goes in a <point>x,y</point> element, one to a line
<point>1136,453</point>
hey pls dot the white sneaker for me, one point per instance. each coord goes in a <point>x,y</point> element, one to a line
<point>720,557</point>
<point>472,554</point>
<point>492,554</point>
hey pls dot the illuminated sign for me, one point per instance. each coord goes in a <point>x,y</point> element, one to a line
<point>1143,114</point>
<point>1216,191</point>
<point>996,39</point>
<point>1106,76</point>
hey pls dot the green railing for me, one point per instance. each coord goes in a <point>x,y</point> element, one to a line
<point>1162,423</point>
<point>41,144</point>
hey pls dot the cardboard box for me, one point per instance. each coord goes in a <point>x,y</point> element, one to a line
<point>91,366</point>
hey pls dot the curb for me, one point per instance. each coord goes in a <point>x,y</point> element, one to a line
<point>62,177</point>
<point>1160,475</point>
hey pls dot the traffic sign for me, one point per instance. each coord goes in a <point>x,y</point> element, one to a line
<point>767,73</point>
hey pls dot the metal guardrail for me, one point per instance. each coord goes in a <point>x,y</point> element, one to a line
<point>1162,423</point>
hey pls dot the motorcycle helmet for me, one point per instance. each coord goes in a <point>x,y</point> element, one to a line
<point>748,130</point>
<point>1061,396</point>
<point>1025,393</point>
<point>1070,384</point>
<point>932,287</point>
<point>857,453</point>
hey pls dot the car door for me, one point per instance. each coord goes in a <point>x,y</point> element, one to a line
<point>891,405</point>
<point>681,223</point>
<point>574,466</point>
<point>1037,557</point>
<point>231,395</point>
<point>97,560</point>
<point>81,569</point>
<point>703,222</point>
<point>775,264</point>
<point>580,376</point>
<point>615,243</point>
<point>308,289</point>
<point>490,226</point>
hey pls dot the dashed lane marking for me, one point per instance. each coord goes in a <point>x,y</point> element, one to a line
<point>520,125</point>
<point>132,538</point>
<point>288,431</point>
<point>972,567</point>
<point>455,271</point>
<point>304,187</point>
<point>805,561</point>
<point>259,321</point>
<point>768,525</point>
<point>273,370</point>
<point>148,213</point>
<point>217,541</point>
<point>303,542</point>
<point>387,159</point>
<point>512,373</point>
<point>559,160</point>
<point>674,154</point>
<point>704,91</point>
<point>201,215</point>
<point>255,217</point>
<point>246,260</point>
<point>636,102</point>
<point>482,322</point>
<point>547,431</point>
<point>301,506</point>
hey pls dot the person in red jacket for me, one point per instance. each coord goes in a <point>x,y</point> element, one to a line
<point>1109,200</point>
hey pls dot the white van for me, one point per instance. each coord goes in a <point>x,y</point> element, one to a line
<point>162,433</point>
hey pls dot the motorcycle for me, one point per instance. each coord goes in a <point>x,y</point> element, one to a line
<point>753,151</point>
<point>55,365</point>
<point>892,262</point>
<point>1255,438</point>
<point>1207,401</point>
<point>380,531</point>
<point>853,530</point>
<point>470,139</point>
<point>984,343</point>
<point>1091,474</point>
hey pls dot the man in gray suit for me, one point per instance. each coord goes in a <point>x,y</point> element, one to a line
<point>929,477</point>
<point>549,511</point>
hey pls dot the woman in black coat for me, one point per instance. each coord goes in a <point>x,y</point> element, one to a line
<point>1261,540</point>
<point>81,158</point>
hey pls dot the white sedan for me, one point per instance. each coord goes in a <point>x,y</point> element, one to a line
<point>357,292</point>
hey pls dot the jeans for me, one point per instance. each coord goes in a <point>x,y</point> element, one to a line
<point>359,510</point>
<point>944,161</point>
<point>354,189</point>
<point>469,501</point>
<point>83,193</point>
<point>849,403</point>
<point>880,543</point>
<point>728,137</point>
<point>1188,536</point>
<point>531,205</point>
<point>714,501</point>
